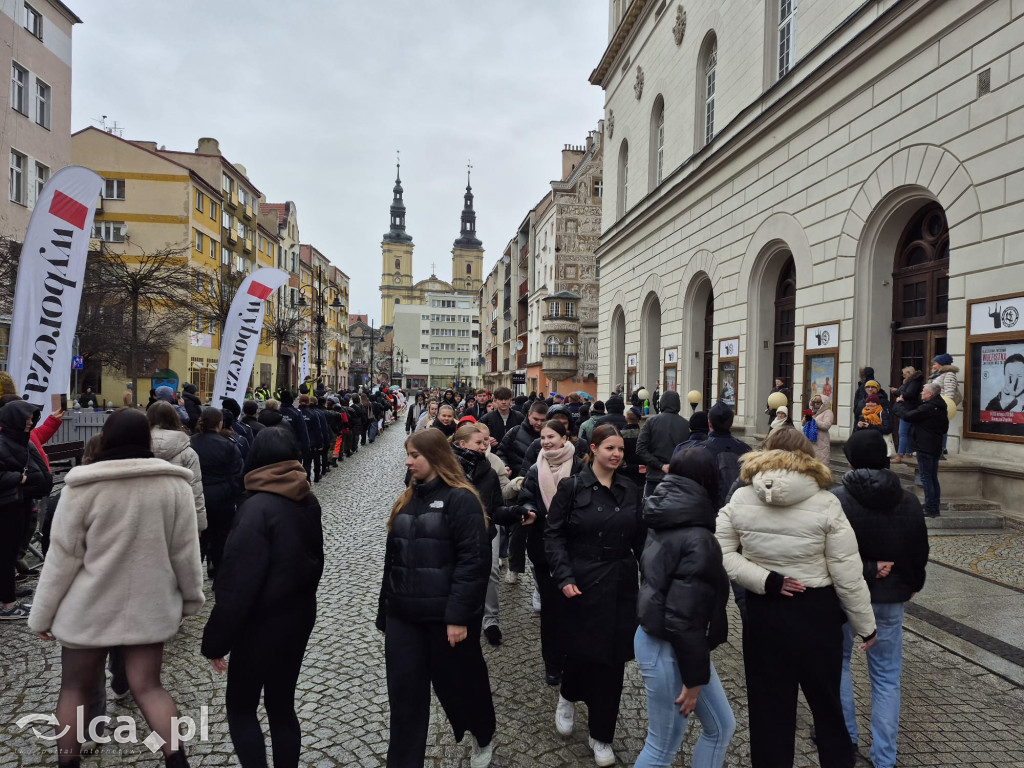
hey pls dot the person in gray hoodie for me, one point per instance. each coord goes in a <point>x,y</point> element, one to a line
<point>659,437</point>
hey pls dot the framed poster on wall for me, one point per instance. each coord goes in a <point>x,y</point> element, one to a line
<point>994,384</point>
<point>630,374</point>
<point>821,360</point>
<point>671,361</point>
<point>728,373</point>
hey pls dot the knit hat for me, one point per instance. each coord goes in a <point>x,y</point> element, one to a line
<point>615,405</point>
<point>699,422</point>
<point>598,407</point>
<point>190,388</point>
<point>286,398</point>
<point>871,383</point>
<point>720,417</point>
<point>874,399</point>
<point>943,359</point>
<point>636,410</point>
<point>166,394</point>
<point>230,404</point>
<point>866,449</point>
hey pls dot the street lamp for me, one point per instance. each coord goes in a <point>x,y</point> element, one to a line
<point>693,397</point>
<point>319,296</point>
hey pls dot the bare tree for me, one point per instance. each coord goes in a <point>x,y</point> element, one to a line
<point>135,308</point>
<point>10,255</point>
<point>214,293</point>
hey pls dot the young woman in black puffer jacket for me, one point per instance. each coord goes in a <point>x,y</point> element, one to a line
<point>266,598</point>
<point>436,564</point>
<point>470,447</point>
<point>221,463</point>
<point>681,608</point>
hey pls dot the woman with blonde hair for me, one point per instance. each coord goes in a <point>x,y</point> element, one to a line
<point>786,540</point>
<point>437,562</point>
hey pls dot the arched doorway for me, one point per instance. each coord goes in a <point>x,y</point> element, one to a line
<point>617,362</point>
<point>920,291</point>
<point>650,344</point>
<point>784,338</point>
<point>709,349</point>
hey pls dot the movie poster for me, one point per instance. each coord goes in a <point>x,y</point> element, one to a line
<point>997,397</point>
<point>821,377</point>
<point>727,382</point>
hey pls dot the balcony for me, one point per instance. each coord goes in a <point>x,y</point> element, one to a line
<point>231,236</point>
<point>247,245</point>
<point>230,199</point>
<point>559,324</point>
<point>247,212</point>
<point>559,366</point>
<point>524,287</point>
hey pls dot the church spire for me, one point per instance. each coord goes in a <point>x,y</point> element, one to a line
<point>397,234</point>
<point>467,237</point>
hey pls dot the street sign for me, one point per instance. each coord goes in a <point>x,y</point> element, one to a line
<point>77,363</point>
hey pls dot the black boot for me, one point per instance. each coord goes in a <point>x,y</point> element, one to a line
<point>176,759</point>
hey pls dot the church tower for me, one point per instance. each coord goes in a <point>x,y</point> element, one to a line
<point>468,252</point>
<point>396,253</point>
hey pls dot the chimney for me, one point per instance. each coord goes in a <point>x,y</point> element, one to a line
<point>150,145</point>
<point>240,168</point>
<point>571,157</point>
<point>208,146</point>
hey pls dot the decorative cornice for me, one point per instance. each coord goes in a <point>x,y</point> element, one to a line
<point>617,42</point>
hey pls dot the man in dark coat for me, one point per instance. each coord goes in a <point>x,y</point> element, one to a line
<point>314,457</point>
<point>250,409</point>
<point>893,543</point>
<point>659,437</point>
<point>291,415</point>
<point>725,448</point>
<point>929,423</point>
<point>503,417</point>
<point>193,405</point>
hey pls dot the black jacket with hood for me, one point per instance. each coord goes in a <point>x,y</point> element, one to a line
<point>193,405</point>
<point>660,435</point>
<point>481,475</point>
<point>499,426</point>
<point>890,527</point>
<point>685,587</point>
<point>272,564</point>
<point>928,423</point>
<point>515,445</point>
<point>437,559</point>
<point>19,455</point>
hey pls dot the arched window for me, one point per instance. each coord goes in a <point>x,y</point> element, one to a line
<point>707,66</point>
<point>469,269</point>
<point>397,300</point>
<point>398,263</point>
<point>657,163</point>
<point>569,348</point>
<point>553,345</point>
<point>622,204</point>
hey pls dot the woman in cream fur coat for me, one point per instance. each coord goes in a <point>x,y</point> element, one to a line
<point>785,539</point>
<point>122,570</point>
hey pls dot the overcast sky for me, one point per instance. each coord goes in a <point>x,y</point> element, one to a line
<point>314,97</point>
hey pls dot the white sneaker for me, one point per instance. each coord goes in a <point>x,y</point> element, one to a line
<point>479,757</point>
<point>511,577</point>
<point>565,716</point>
<point>603,754</point>
<point>536,600</point>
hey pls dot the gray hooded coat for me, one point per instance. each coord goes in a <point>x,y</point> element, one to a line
<point>660,435</point>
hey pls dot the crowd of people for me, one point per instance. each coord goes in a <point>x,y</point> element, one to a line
<point>636,524</point>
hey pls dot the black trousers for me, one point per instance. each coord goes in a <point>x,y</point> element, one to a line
<point>418,655</point>
<point>517,548</point>
<point>550,602</point>
<point>599,686</point>
<point>12,526</point>
<point>267,663</point>
<point>791,642</point>
<point>219,519</point>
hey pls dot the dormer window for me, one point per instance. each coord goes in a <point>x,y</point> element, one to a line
<point>570,309</point>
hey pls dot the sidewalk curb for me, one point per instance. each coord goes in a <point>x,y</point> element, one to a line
<point>1007,670</point>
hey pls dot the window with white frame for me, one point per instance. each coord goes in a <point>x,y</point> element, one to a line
<point>622,185</point>
<point>787,35</point>
<point>225,183</point>
<point>33,21</point>
<point>17,177</point>
<point>19,84</point>
<point>42,115</point>
<point>553,345</point>
<point>199,241</point>
<point>200,200</point>
<point>225,256</point>
<point>657,142</point>
<point>213,247</point>
<point>570,309</point>
<point>42,176</point>
<point>569,347</point>
<point>109,231</point>
<point>554,309</point>
<point>710,68</point>
<point>113,189</point>
<point>598,188</point>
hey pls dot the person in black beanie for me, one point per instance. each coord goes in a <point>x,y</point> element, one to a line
<point>893,543</point>
<point>193,405</point>
<point>698,432</point>
<point>291,415</point>
<point>238,426</point>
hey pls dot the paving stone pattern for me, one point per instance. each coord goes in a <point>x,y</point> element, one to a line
<point>954,712</point>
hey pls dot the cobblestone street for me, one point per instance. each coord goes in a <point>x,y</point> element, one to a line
<point>955,713</point>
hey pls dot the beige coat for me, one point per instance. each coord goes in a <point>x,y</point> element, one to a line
<point>123,566</point>
<point>823,448</point>
<point>176,448</point>
<point>786,521</point>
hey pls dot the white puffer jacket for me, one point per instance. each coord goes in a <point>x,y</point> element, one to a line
<point>786,521</point>
<point>176,448</point>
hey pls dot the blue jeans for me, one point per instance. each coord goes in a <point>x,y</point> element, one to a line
<point>906,443</point>
<point>665,726</point>
<point>885,662</point>
<point>373,431</point>
<point>928,469</point>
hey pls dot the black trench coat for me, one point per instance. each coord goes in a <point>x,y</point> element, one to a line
<point>594,539</point>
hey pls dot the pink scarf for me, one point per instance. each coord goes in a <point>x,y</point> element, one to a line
<point>553,466</point>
